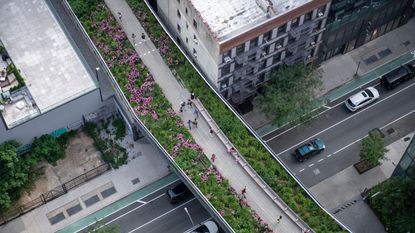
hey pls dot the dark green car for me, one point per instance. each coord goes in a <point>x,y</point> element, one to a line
<point>312,148</point>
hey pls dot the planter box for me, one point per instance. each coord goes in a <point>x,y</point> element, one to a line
<point>362,166</point>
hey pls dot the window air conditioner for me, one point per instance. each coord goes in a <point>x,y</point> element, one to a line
<point>227,59</point>
<point>320,14</point>
<point>279,46</point>
<point>313,43</point>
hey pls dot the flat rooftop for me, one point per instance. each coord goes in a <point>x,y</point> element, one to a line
<point>53,72</point>
<point>225,18</point>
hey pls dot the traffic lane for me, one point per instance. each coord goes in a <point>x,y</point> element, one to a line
<point>375,115</point>
<point>334,160</point>
<point>325,118</point>
<point>176,221</point>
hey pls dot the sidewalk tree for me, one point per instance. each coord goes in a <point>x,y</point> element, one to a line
<point>13,173</point>
<point>47,148</point>
<point>394,202</point>
<point>373,149</point>
<point>290,93</point>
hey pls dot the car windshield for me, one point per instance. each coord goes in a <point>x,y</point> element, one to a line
<point>351,103</point>
<point>369,93</point>
<point>314,144</point>
<point>201,229</point>
<point>364,94</point>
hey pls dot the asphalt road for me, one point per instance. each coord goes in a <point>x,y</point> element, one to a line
<point>155,214</point>
<point>341,130</point>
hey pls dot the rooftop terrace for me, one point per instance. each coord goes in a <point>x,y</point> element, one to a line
<point>225,18</point>
<point>53,72</point>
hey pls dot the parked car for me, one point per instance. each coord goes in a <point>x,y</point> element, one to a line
<point>311,148</point>
<point>205,227</point>
<point>178,193</point>
<point>397,76</point>
<point>361,99</point>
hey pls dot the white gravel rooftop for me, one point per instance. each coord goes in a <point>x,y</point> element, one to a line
<point>53,72</point>
<point>224,17</point>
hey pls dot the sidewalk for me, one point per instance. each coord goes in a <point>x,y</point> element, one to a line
<point>145,163</point>
<point>376,58</point>
<point>238,178</point>
<point>340,194</point>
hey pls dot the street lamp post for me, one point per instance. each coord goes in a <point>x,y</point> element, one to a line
<point>357,69</point>
<point>96,72</point>
<point>187,212</point>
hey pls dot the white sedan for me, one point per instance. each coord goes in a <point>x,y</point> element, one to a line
<point>205,227</point>
<point>361,99</point>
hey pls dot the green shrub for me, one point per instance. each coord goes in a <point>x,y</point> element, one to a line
<point>47,148</point>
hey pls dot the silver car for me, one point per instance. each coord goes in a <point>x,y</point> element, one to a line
<point>205,227</point>
<point>361,99</point>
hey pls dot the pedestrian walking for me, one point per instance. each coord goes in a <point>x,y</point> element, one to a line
<point>213,157</point>
<point>243,191</point>
<point>195,123</point>
<point>279,219</point>
<point>231,150</point>
<point>182,106</point>
<point>196,112</point>
<point>189,123</point>
<point>133,36</point>
<point>143,36</point>
<point>211,131</point>
<point>190,103</point>
<point>192,96</point>
<point>119,16</point>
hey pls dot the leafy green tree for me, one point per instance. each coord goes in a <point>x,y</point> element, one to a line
<point>290,93</point>
<point>13,173</point>
<point>394,201</point>
<point>82,7</point>
<point>47,148</point>
<point>373,149</point>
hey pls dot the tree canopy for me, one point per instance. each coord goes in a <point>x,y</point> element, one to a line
<point>373,149</point>
<point>290,93</point>
<point>394,201</point>
<point>47,148</point>
<point>13,173</point>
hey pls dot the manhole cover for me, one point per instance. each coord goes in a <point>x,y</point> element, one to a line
<point>390,131</point>
<point>316,171</point>
<point>407,139</point>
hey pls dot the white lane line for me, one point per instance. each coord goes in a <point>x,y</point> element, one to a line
<point>302,170</point>
<point>344,147</point>
<point>142,202</point>
<point>347,118</point>
<point>320,160</point>
<point>132,210</point>
<point>154,219</point>
<point>162,187</point>
<point>325,106</point>
<point>311,165</point>
<point>397,119</point>
<point>328,156</point>
<point>153,50</point>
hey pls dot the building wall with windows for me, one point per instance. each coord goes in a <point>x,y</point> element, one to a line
<point>352,23</point>
<point>406,166</point>
<point>238,62</point>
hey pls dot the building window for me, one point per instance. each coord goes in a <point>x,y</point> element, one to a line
<point>194,23</point>
<point>267,49</point>
<point>185,10</point>
<point>252,57</point>
<point>187,25</point>
<point>282,29</point>
<point>253,43</point>
<point>187,40</point>
<point>267,36</point>
<point>279,43</point>
<point>178,14</point>
<point>295,22</point>
<point>263,64</point>
<point>179,28</point>
<point>276,58</point>
<point>194,52</point>
<point>308,16</point>
<point>321,11</point>
<point>178,1</point>
<point>226,69</point>
<point>226,57</point>
<point>261,78</point>
<point>250,71</point>
<point>240,49</point>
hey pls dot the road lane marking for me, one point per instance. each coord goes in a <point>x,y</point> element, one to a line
<point>344,147</point>
<point>328,156</point>
<point>403,116</point>
<point>328,107</point>
<point>302,170</point>
<point>168,212</point>
<point>345,119</point>
<point>320,160</point>
<point>162,187</point>
<point>311,165</point>
<point>142,202</point>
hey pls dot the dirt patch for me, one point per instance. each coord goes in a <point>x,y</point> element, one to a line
<point>80,157</point>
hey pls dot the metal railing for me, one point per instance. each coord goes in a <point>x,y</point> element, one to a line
<point>251,130</point>
<point>125,104</point>
<point>56,192</point>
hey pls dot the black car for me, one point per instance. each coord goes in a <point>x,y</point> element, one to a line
<point>178,193</point>
<point>397,76</point>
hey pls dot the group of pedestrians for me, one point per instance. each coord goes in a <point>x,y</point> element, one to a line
<point>192,107</point>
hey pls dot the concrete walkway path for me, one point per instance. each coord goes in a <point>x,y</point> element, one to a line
<point>238,177</point>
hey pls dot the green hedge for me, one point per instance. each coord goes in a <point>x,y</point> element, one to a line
<point>155,111</point>
<point>252,150</point>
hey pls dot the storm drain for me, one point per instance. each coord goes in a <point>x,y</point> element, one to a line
<point>135,181</point>
<point>345,206</point>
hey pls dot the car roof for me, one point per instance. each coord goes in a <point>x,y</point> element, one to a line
<point>305,149</point>
<point>358,97</point>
